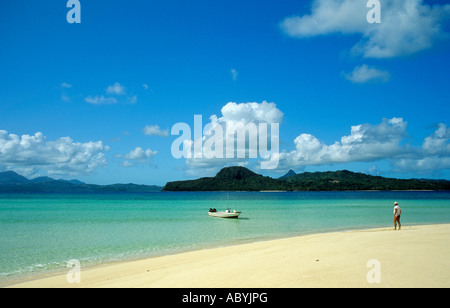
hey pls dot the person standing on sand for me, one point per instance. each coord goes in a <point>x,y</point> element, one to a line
<point>397,213</point>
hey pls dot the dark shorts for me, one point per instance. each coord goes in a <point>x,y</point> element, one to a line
<point>397,218</point>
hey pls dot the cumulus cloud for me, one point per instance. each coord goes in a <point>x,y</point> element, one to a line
<point>154,130</point>
<point>32,154</point>
<point>140,156</point>
<point>434,154</point>
<point>366,142</point>
<point>406,26</point>
<point>233,113</point>
<point>328,16</point>
<point>438,142</point>
<point>240,123</point>
<point>365,74</point>
<point>371,143</point>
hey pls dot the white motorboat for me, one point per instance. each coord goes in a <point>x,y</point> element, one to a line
<point>225,214</point>
<point>228,213</point>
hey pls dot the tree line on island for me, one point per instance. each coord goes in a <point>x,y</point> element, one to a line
<point>243,179</point>
<point>229,179</point>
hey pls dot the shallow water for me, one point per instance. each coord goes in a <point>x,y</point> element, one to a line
<point>40,233</point>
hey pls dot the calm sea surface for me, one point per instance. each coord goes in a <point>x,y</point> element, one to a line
<point>40,233</point>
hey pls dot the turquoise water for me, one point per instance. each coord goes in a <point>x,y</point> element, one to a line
<point>40,233</point>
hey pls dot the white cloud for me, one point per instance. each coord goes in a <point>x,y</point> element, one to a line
<point>100,100</point>
<point>154,130</point>
<point>145,86</point>
<point>370,143</point>
<point>366,142</point>
<point>116,89</point>
<point>434,155</point>
<point>35,154</point>
<point>328,16</point>
<point>424,165</point>
<point>66,85</point>
<point>438,142</point>
<point>406,27</point>
<point>235,118</point>
<point>239,117</point>
<point>364,74</point>
<point>138,155</point>
<point>234,113</point>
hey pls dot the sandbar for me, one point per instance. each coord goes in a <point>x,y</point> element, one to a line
<point>416,256</point>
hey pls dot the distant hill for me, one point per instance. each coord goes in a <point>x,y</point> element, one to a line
<point>242,179</point>
<point>228,179</point>
<point>289,174</point>
<point>10,177</point>
<point>11,182</point>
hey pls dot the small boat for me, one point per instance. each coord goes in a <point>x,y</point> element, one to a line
<point>228,213</point>
<point>225,214</point>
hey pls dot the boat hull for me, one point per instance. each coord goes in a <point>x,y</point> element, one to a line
<point>224,214</point>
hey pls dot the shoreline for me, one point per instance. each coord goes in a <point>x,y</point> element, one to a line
<point>24,278</point>
<point>416,256</point>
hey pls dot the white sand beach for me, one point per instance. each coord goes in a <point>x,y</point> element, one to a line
<point>416,256</point>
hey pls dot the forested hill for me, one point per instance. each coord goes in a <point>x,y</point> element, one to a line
<point>228,179</point>
<point>347,180</point>
<point>242,179</point>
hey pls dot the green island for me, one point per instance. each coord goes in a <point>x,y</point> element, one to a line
<point>243,179</point>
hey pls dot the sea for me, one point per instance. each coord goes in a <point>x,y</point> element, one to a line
<point>40,233</point>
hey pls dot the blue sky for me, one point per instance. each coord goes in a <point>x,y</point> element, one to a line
<point>76,99</point>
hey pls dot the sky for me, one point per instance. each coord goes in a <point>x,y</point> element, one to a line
<point>98,100</point>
